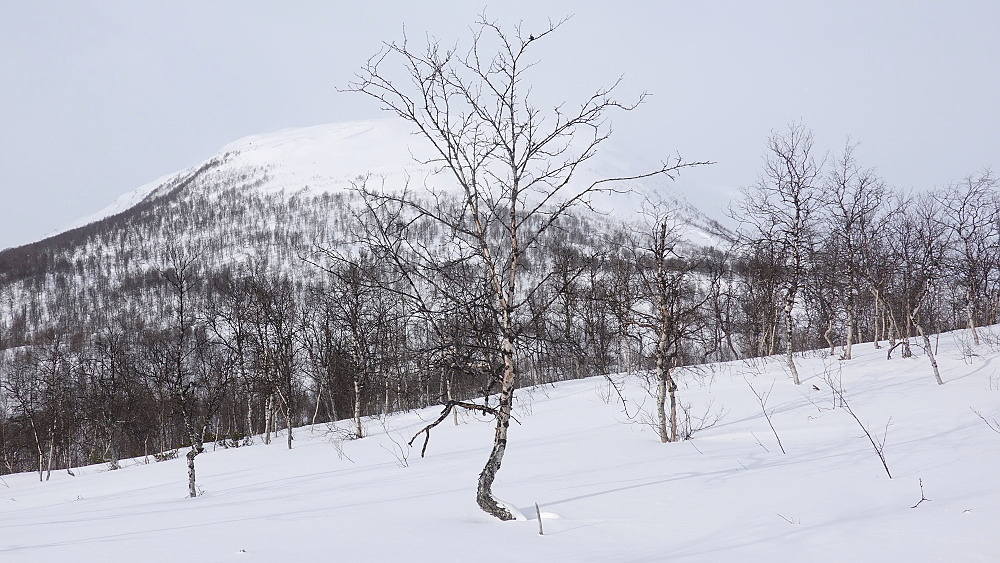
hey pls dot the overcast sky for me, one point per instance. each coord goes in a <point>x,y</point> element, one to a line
<point>101,97</point>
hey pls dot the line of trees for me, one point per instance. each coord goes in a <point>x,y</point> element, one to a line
<point>846,258</point>
<point>244,351</point>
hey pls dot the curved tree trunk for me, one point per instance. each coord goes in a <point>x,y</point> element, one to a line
<point>930,352</point>
<point>913,323</point>
<point>196,448</point>
<point>484,492</point>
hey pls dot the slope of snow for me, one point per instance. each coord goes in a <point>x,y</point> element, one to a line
<point>318,158</point>
<point>385,154</point>
<point>124,202</point>
<point>332,157</point>
<point>608,491</point>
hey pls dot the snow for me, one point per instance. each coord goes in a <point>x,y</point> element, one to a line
<point>331,157</point>
<point>609,491</point>
<point>318,158</point>
<point>387,155</point>
<point>124,202</point>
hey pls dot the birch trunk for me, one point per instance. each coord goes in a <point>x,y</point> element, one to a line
<point>875,327</point>
<point>448,390</point>
<point>971,317</point>
<point>849,335</point>
<point>52,451</point>
<point>196,448</point>
<point>772,346</point>
<point>484,492</point>
<point>38,445</point>
<point>288,424</point>
<point>358,430</point>
<point>789,303</point>
<point>250,431</point>
<point>386,404</point>
<point>268,418</point>
<point>319,399</point>
<point>930,353</point>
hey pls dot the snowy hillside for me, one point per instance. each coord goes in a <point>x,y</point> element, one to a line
<point>606,488</point>
<point>310,161</point>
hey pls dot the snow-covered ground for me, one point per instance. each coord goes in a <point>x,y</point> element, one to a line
<point>607,489</point>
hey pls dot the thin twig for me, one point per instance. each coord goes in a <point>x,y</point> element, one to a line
<point>792,522</point>
<point>922,497</point>
<point>620,396</point>
<point>878,445</point>
<point>994,425</point>
<point>762,400</point>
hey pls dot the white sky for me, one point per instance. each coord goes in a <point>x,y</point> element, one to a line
<point>99,98</point>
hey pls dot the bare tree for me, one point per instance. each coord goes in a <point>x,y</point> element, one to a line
<point>26,390</point>
<point>274,322</point>
<point>672,307</point>
<point>183,362</point>
<point>970,209</point>
<point>780,208</point>
<point>854,202</point>
<point>514,166</point>
<point>370,336</point>
<point>922,241</point>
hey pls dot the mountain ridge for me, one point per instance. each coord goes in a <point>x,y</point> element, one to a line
<point>334,157</point>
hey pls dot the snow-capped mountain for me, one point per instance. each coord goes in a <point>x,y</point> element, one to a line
<point>334,158</point>
<point>273,199</point>
<point>310,160</point>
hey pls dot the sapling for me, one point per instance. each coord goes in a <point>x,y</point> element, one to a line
<point>994,425</point>
<point>922,497</point>
<point>878,444</point>
<point>762,401</point>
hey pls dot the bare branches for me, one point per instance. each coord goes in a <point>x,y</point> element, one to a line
<point>877,442</point>
<point>993,425</point>
<point>515,168</point>
<point>922,496</point>
<point>762,401</point>
<point>780,209</point>
<point>426,431</point>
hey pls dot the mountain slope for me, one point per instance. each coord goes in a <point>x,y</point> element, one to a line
<point>608,491</point>
<point>323,158</point>
<point>335,157</point>
<point>270,199</point>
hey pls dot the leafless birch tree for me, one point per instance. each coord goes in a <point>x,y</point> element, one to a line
<point>854,201</point>
<point>970,211</point>
<point>780,208</point>
<point>515,167</point>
